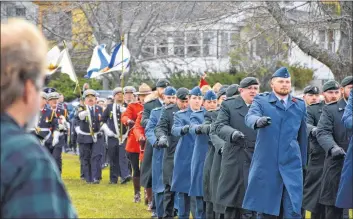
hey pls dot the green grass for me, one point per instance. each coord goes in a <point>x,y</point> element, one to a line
<point>102,200</point>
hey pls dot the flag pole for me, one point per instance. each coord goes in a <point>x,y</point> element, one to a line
<point>122,80</point>
<point>77,84</point>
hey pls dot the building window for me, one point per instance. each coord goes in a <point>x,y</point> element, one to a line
<point>330,40</point>
<point>10,11</point>
<point>193,44</point>
<point>179,44</point>
<point>162,47</point>
<point>147,50</point>
<point>322,37</point>
<point>208,43</point>
<point>21,12</point>
<point>224,44</point>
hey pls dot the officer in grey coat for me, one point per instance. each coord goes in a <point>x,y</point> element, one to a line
<point>215,170</point>
<point>312,180</point>
<point>238,150</point>
<point>333,137</point>
<point>168,141</point>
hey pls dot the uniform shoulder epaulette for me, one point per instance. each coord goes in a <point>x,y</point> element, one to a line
<point>332,103</point>
<point>298,98</point>
<point>151,100</point>
<point>264,94</point>
<point>156,109</point>
<point>229,98</point>
<point>182,111</point>
<point>169,106</point>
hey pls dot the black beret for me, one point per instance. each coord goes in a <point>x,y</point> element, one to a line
<point>311,90</point>
<point>331,85</point>
<point>182,93</point>
<point>232,90</point>
<point>222,91</point>
<point>347,81</point>
<point>162,83</point>
<point>248,81</point>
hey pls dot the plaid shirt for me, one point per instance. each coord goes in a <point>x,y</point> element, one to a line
<point>31,186</point>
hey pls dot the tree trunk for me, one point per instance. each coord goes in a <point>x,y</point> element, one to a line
<point>339,65</point>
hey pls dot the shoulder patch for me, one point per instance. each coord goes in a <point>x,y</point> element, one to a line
<point>264,94</point>
<point>182,111</point>
<point>297,98</point>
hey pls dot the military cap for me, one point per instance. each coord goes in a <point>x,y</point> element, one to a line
<point>129,89</point>
<point>248,81</point>
<point>281,73</point>
<point>210,95</point>
<point>100,100</point>
<point>182,93</point>
<point>311,90</point>
<point>330,85</point>
<point>43,95</point>
<point>117,90</point>
<point>144,89</point>
<point>169,91</point>
<point>196,91</point>
<point>89,92</point>
<point>222,91</point>
<point>232,90</point>
<point>49,90</point>
<point>162,83</point>
<point>53,95</point>
<point>347,81</point>
<point>110,97</point>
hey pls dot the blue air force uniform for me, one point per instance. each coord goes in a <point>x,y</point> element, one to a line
<point>91,140</point>
<point>157,159</point>
<point>276,171</point>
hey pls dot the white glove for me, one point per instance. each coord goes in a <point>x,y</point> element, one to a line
<point>63,120</point>
<point>122,109</point>
<point>82,115</point>
<point>62,127</point>
<point>55,138</point>
<point>77,130</point>
<point>107,130</point>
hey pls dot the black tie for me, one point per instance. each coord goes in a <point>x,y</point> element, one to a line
<point>282,101</point>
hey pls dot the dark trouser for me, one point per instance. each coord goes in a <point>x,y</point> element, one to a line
<point>200,208</point>
<point>320,213</point>
<point>333,212</point>
<point>91,158</point>
<point>232,212</point>
<point>80,149</point>
<point>219,216</point>
<point>168,202</point>
<point>209,211</point>
<point>118,160</point>
<point>184,206</point>
<point>73,137</point>
<point>56,153</point>
<point>158,199</point>
<point>135,163</point>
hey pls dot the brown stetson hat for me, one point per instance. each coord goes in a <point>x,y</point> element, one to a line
<point>144,89</point>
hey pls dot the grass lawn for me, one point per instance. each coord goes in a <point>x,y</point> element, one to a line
<point>102,200</point>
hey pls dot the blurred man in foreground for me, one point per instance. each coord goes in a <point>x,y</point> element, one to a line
<point>30,184</point>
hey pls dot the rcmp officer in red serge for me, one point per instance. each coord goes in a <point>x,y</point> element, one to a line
<point>61,116</point>
<point>276,172</point>
<point>89,136</point>
<point>112,128</point>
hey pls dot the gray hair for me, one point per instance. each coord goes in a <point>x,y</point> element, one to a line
<point>23,52</point>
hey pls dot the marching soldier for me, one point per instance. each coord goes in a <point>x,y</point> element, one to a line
<point>311,95</point>
<point>146,166</point>
<point>157,157</point>
<point>168,141</point>
<point>117,134</point>
<point>135,137</point>
<point>183,152</point>
<point>276,174</point>
<point>201,130</point>
<point>218,144</point>
<point>89,137</point>
<point>316,155</point>
<point>238,149</point>
<point>344,194</point>
<point>333,137</point>
<point>63,125</point>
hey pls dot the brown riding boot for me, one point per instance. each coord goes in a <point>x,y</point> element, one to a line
<point>136,182</point>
